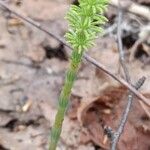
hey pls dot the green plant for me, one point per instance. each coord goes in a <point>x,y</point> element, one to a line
<point>84,22</point>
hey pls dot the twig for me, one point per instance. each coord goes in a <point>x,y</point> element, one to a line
<point>87,57</point>
<point>120,46</point>
<point>32,65</point>
<point>116,135</point>
<point>120,80</point>
<point>145,108</point>
<point>124,117</point>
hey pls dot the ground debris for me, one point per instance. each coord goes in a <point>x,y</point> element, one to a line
<point>32,73</point>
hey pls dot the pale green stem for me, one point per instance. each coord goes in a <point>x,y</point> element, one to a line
<point>64,98</point>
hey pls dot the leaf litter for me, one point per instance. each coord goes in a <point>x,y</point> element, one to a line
<point>31,77</point>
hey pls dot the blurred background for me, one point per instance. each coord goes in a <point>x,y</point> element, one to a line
<point>32,71</point>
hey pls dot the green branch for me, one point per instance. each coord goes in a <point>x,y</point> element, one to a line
<point>84,22</point>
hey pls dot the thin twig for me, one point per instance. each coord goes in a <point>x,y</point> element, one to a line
<point>108,130</point>
<point>120,46</point>
<point>116,135</point>
<point>87,57</point>
<point>124,117</point>
<point>120,80</point>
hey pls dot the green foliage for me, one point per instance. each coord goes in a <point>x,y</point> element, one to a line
<point>84,26</point>
<point>84,22</point>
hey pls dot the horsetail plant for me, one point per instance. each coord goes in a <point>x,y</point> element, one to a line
<point>84,26</point>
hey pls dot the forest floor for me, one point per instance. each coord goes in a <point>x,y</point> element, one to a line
<point>32,70</point>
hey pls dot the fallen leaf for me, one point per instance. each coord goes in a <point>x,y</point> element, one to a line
<point>92,115</point>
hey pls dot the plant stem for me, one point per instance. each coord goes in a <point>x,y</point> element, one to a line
<point>64,98</point>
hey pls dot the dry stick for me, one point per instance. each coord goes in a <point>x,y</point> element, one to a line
<point>116,135</point>
<point>120,46</point>
<point>124,117</point>
<point>87,57</point>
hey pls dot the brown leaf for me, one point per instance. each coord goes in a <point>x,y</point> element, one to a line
<point>106,109</point>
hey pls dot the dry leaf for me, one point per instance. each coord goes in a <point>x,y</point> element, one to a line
<point>93,114</point>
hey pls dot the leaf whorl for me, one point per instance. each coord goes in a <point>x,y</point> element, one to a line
<point>84,21</point>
